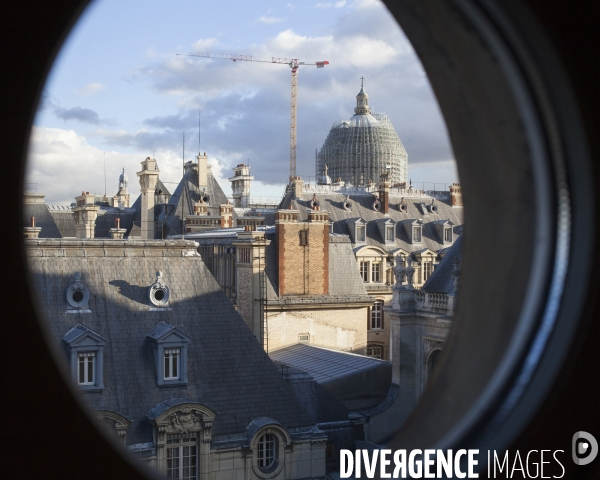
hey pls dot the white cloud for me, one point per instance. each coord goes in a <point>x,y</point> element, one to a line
<point>54,151</point>
<point>204,44</point>
<point>340,4</point>
<point>269,20</point>
<point>90,89</point>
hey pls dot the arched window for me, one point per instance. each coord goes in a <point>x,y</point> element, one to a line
<point>266,451</point>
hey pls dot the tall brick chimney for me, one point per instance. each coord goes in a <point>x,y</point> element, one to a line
<point>456,195</point>
<point>226,212</point>
<point>302,253</point>
<point>384,193</point>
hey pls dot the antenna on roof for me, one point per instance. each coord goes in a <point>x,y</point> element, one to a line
<point>182,186</point>
<point>104,173</point>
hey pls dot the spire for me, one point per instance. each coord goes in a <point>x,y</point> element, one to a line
<point>362,100</point>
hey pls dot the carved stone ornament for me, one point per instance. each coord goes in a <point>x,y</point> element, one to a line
<point>410,272</point>
<point>402,206</point>
<point>377,205</point>
<point>185,420</point>
<point>78,294</point>
<point>399,271</point>
<point>347,204</point>
<point>455,274</point>
<point>159,292</point>
<point>435,344</point>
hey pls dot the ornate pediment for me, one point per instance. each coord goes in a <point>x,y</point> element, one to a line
<point>186,418</point>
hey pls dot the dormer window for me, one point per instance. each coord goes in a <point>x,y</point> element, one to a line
<point>86,350</point>
<point>444,231</point>
<point>360,233</point>
<point>416,236</point>
<point>170,354</point>
<point>414,230</point>
<point>358,230</point>
<point>448,235</point>
<point>389,233</point>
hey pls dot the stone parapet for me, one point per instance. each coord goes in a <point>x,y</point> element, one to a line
<point>110,248</point>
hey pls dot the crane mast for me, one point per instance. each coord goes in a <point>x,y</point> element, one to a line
<point>293,63</point>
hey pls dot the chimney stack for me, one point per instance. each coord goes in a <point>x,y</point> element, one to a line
<point>384,193</point>
<point>148,180</point>
<point>456,195</point>
<point>32,231</point>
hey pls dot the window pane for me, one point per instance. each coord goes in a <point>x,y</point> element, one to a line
<point>81,369</point>
<point>90,369</point>
<point>175,364</point>
<point>167,366</point>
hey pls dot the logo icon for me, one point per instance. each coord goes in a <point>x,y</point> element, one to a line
<point>585,448</point>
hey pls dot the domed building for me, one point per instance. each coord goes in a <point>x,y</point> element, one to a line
<point>361,149</point>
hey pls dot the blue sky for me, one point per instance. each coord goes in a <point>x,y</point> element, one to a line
<point>119,91</point>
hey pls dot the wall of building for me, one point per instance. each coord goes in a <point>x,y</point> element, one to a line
<point>336,328</point>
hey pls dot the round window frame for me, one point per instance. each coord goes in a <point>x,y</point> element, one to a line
<point>158,288</point>
<point>72,290</point>
<point>279,461</point>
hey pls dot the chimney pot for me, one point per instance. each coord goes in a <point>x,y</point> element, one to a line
<point>33,221</point>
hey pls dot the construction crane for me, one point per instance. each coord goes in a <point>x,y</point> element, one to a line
<point>293,63</point>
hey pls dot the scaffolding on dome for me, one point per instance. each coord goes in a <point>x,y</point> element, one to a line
<point>358,151</point>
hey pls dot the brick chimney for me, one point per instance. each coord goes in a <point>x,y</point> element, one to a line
<point>456,195</point>
<point>302,253</point>
<point>226,212</point>
<point>384,193</point>
<point>32,231</point>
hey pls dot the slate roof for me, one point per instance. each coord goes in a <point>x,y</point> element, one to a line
<point>43,219</point>
<point>362,207</point>
<point>187,193</point>
<point>440,280</point>
<point>322,364</point>
<point>344,276</point>
<point>227,369</point>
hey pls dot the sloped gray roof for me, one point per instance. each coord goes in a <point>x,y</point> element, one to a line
<point>441,279</point>
<point>228,370</point>
<point>344,277</point>
<point>43,219</point>
<point>187,194</point>
<point>362,207</point>
<point>106,220</point>
<point>322,364</point>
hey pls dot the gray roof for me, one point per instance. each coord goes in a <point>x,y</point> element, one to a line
<point>362,207</point>
<point>441,279</point>
<point>227,369</point>
<point>186,195</point>
<point>43,219</point>
<point>344,276</point>
<point>322,364</point>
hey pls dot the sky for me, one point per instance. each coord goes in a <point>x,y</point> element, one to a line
<point>118,93</point>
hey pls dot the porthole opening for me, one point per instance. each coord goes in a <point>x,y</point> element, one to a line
<point>77,296</point>
<point>159,294</point>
